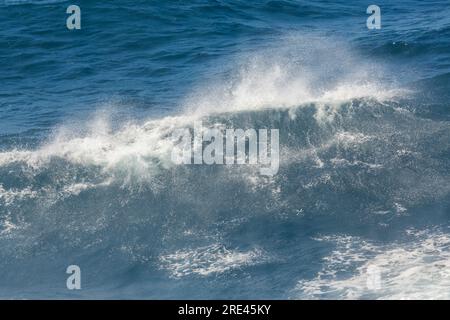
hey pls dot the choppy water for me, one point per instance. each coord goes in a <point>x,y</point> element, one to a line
<point>86,177</point>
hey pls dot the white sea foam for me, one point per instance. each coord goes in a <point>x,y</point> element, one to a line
<point>417,269</point>
<point>8,196</point>
<point>6,227</point>
<point>133,150</point>
<point>209,260</point>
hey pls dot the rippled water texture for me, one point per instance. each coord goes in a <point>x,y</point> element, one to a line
<point>359,208</point>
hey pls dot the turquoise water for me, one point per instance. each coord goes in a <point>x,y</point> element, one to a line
<point>85,171</point>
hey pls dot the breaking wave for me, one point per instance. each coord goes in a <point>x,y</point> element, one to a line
<point>353,152</point>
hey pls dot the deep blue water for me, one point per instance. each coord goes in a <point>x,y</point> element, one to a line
<point>85,173</point>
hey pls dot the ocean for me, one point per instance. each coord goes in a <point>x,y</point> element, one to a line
<point>358,209</point>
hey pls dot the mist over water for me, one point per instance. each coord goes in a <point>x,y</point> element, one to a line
<point>86,124</point>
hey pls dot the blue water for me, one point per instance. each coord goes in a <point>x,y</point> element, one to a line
<point>364,178</point>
